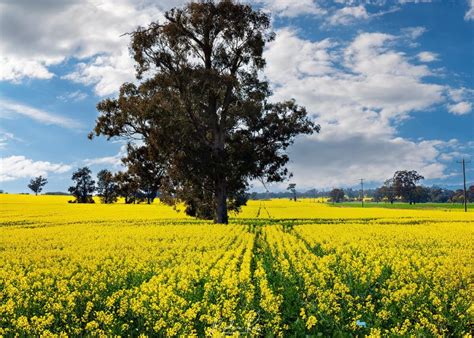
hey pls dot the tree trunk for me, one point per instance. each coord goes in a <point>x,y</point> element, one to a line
<point>221,203</point>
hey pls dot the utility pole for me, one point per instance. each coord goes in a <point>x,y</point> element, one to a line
<point>464,181</point>
<point>362,188</point>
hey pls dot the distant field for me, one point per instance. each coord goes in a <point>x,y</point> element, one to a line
<point>280,268</point>
<point>399,205</point>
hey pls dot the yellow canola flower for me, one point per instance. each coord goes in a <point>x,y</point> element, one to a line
<point>301,268</point>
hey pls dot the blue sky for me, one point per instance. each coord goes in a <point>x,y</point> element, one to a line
<point>390,82</point>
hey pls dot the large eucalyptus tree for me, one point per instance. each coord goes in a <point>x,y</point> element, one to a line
<point>202,108</point>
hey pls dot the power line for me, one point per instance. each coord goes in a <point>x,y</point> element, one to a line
<point>362,188</point>
<point>464,180</point>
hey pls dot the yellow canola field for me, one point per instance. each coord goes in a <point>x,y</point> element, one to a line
<point>280,267</point>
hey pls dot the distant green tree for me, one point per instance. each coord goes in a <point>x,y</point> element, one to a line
<point>106,187</point>
<point>458,196</point>
<point>84,185</point>
<point>292,188</point>
<point>388,191</point>
<point>36,184</point>
<point>378,195</point>
<point>404,184</point>
<point>145,171</point>
<point>127,186</point>
<point>440,195</point>
<point>336,195</point>
<point>421,194</point>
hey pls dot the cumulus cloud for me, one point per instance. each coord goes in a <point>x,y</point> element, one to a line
<point>15,69</point>
<point>90,32</point>
<point>17,167</point>
<point>359,92</point>
<point>106,72</point>
<point>84,30</point>
<point>461,108</point>
<point>461,100</point>
<point>364,84</point>
<point>330,163</point>
<point>8,108</point>
<point>427,57</point>
<point>346,15</point>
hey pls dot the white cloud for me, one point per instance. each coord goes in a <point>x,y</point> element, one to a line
<point>359,92</point>
<point>427,57</point>
<point>73,96</point>
<point>92,32</point>
<point>15,69</point>
<point>86,30</point>
<point>106,72</point>
<point>355,11</point>
<point>470,12</point>
<point>115,160</point>
<point>6,137</point>
<point>291,8</point>
<point>311,58</point>
<point>461,108</point>
<point>330,163</point>
<point>16,167</point>
<point>414,32</point>
<point>347,15</point>
<point>8,108</point>
<point>461,100</point>
<point>458,94</point>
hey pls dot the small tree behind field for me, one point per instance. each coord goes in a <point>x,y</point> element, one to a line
<point>421,194</point>
<point>404,185</point>
<point>144,171</point>
<point>440,195</point>
<point>336,195</point>
<point>387,191</point>
<point>84,185</point>
<point>106,187</point>
<point>36,184</point>
<point>127,186</point>
<point>292,188</point>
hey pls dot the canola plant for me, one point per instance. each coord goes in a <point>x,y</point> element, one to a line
<point>280,268</point>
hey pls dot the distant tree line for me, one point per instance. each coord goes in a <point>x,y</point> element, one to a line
<point>134,186</point>
<point>402,187</point>
<point>141,183</point>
